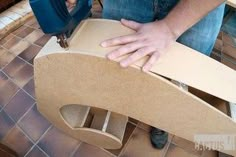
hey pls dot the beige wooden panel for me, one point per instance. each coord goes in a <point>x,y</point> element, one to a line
<point>232,3</point>
<point>83,76</point>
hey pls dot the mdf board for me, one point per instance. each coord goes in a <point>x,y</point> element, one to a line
<point>232,3</point>
<point>83,76</point>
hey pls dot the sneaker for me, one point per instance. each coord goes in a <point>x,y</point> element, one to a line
<point>158,138</point>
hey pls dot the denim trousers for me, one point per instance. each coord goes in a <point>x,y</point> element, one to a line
<point>200,37</point>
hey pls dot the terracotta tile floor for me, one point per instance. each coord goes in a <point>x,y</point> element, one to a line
<point>27,132</point>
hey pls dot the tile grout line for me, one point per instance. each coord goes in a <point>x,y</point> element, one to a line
<point>24,39</point>
<point>10,98</point>
<point>20,88</point>
<point>76,148</point>
<point>36,143</point>
<point>16,56</point>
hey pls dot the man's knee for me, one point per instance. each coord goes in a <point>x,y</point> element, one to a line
<point>202,36</point>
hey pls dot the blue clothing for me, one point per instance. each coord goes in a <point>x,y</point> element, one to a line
<point>201,36</point>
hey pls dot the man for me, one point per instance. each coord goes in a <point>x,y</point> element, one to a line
<point>159,23</point>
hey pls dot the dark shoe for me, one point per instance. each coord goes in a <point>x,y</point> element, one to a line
<point>158,138</point>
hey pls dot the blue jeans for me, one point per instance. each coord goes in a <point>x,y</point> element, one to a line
<point>200,37</point>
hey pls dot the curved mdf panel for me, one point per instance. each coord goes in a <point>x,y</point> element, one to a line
<point>82,75</point>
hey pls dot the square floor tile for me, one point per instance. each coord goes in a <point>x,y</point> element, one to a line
<point>139,145</point>
<point>5,39</point>
<point>43,40</point>
<point>35,35</point>
<point>5,124</point>
<point>128,132</point>
<point>24,32</point>
<point>18,105</point>
<point>10,43</point>
<point>175,151</point>
<point>14,66</point>
<point>31,21</point>
<point>5,57</point>
<point>3,79</point>
<point>86,150</point>
<point>7,91</point>
<point>57,144</point>
<point>19,47</point>
<point>29,53</point>
<point>16,140</point>
<point>30,88</point>
<point>23,75</point>
<point>36,152</point>
<point>18,30</point>
<point>34,124</point>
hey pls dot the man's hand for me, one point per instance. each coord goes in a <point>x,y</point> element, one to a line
<point>150,39</point>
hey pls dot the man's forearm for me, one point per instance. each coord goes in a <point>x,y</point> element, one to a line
<point>188,12</point>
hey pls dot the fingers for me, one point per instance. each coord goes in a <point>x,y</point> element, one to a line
<point>131,24</point>
<point>120,40</point>
<point>136,56</point>
<point>151,61</point>
<point>124,50</point>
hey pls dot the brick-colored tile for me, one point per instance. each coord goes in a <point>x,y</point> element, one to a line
<point>43,40</point>
<point>36,152</point>
<point>229,61</point>
<point>55,143</point>
<point>22,76</point>
<point>18,30</point>
<point>7,91</point>
<point>24,32</point>
<point>128,132</point>
<point>175,151</point>
<point>6,124</point>
<point>18,105</point>
<point>35,35</point>
<point>228,40</point>
<point>40,124</point>
<point>15,65</point>
<point>229,50</point>
<point>29,53</point>
<point>29,88</point>
<point>31,21</point>
<point>3,79</point>
<point>86,150</point>
<point>13,41</point>
<point>5,39</point>
<point>5,57</point>
<point>16,140</point>
<point>185,144</point>
<point>139,145</point>
<point>19,47</point>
